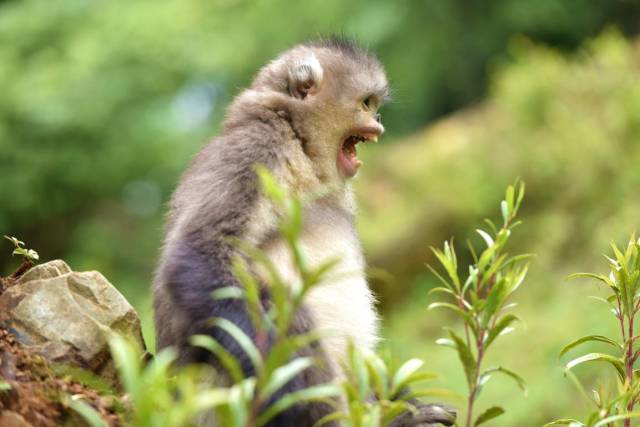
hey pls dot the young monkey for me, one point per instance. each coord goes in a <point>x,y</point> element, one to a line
<point>302,118</point>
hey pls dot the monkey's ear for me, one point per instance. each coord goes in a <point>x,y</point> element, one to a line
<point>305,77</point>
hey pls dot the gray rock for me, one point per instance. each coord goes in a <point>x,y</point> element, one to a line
<point>66,316</point>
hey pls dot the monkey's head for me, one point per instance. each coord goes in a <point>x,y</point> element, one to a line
<point>332,91</point>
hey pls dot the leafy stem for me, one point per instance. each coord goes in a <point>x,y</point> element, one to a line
<point>481,300</point>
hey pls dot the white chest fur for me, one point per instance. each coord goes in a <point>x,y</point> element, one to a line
<point>342,306</point>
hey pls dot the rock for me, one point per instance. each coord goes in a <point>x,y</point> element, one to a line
<point>66,316</point>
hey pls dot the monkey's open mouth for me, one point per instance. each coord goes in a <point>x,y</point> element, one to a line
<point>348,161</point>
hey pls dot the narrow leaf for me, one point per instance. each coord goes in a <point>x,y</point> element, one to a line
<point>284,374</point>
<point>319,392</point>
<point>609,420</point>
<point>489,414</point>
<point>405,371</point>
<point>242,339</point>
<point>466,357</point>
<point>88,413</point>
<point>500,326</point>
<point>598,357</point>
<point>564,422</point>
<point>225,358</point>
<point>589,338</point>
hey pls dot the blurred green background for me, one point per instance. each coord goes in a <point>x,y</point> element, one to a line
<point>103,103</point>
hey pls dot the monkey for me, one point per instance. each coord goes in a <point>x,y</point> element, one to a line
<point>302,118</point>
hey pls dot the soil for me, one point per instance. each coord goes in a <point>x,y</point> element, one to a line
<point>36,397</point>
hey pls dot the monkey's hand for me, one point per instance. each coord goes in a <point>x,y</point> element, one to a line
<point>426,415</point>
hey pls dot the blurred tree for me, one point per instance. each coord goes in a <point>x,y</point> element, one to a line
<point>568,126</point>
<point>103,102</point>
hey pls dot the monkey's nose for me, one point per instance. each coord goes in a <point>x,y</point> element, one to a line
<point>378,117</point>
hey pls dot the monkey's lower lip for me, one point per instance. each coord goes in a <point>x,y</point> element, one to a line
<point>348,161</point>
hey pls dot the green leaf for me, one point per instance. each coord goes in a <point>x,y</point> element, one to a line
<point>446,342</point>
<point>359,370</point>
<point>517,378</point>
<point>242,339</point>
<point>392,410</point>
<point>250,291</point>
<point>442,279</point>
<point>448,260</point>
<point>210,398</point>
<point>127,360</point>
<point>4,386</point>
<point>379,374</point>
<point>599,277</point>
<point>225,358</point>
<point>240,395</point>
<point>589,338</point>
<point>611,419</point>
<point>520,197</point>
<point>564,422</point>
<point>487,238</point>
<point>486,256</point>
<point>335,416</point>
<point>269,185</point>
<point>489,414</point>
<point>228,292</point>
<point>282,351</point>
<point>319,392</point>
<point>501,325</point>
<point>284,374</point>
<point>466,357</point>
<point>495,299</point>
<point>373,417</point>
<point>598,357</point>
<point>504,209</point>
<point>509,198</point>
<point>88,413</point>
<point>440,289</point>
<point>82,376</point>
<point>465,315</point>
<point>403,373</point>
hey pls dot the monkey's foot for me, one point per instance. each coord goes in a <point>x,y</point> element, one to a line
<point>426,415</point>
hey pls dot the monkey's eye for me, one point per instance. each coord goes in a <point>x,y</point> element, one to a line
<point>368,102</point>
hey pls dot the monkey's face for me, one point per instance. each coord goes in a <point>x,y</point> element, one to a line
<point>334,93</point>
<point>343,112</point>
<point>366,127</point>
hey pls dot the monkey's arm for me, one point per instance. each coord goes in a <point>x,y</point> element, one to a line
<point>191,274</point>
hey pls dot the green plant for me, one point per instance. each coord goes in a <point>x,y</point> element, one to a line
<point>29,255</point>
<point>481,301</point>
<point>158,394</point>
<point>375,394</point>
<point>623,282</point>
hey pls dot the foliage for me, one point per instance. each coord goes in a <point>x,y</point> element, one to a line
<point>482,301</point>
<point>623,283</point>
<point>368,374</point>
<point>157,394</point>
<point>29,255</point>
